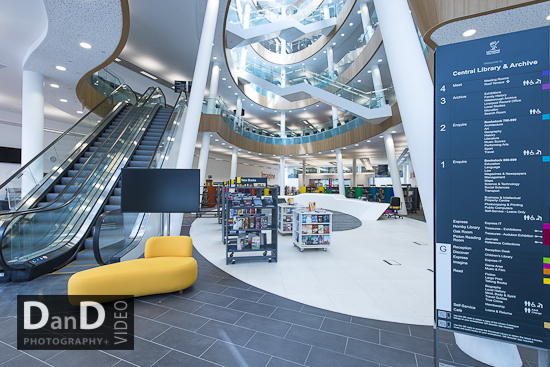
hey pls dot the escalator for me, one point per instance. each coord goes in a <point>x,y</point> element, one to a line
<point>56,216</point>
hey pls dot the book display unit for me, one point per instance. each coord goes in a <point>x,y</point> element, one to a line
<point>285,213</point>
<point>249,224</point>
<point>312,229</point>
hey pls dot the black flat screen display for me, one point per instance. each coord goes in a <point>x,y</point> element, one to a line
<point>160,190</point>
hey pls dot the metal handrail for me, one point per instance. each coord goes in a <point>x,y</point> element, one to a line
<point>3,263</point>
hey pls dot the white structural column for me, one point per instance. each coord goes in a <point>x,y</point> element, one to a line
<point>234,156</point>
<point>283,124</point>
<point>330,62</point>
<point>340,169</point>
<point>213,91</point>
<point>365,20</point>
<point>203,157</point>
<point>282,181</point>
<point>238,111</point>
<point>394,172</point>
<point>246,16</point>
<point>200,76</point>
<point>378,86</point>
<point>406,173</point>
<point>304,172</point>
<point>354,173</point>
<point>32,132</point>
<point>334,117</point>
<point>414,91</point>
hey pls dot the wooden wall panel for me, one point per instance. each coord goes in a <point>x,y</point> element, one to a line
<point>214,123</point>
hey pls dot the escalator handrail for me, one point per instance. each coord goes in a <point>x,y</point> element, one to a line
<point>88,162</point>
<point>4,226</point>
<point>170,120</point>
<point>97,227</point>
<point>60,137</point>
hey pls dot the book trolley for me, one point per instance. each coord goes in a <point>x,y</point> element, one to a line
<point>312,229</point>
<point>249,223</point>
<point>285,219</point>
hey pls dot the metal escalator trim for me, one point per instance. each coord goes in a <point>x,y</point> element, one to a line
<point>61,136</point>
<point>45,209</point>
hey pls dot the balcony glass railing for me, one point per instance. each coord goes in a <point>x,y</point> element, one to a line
<point>304,13</point>
<point>326,80</point>
<point>105,81</point>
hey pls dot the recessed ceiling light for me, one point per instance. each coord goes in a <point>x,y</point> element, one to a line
<point>290,155</point>
<point>332,150</point>
<point>228,86</point>
<point>248,152</point>
<point>358,11</point>
<point>62,68</point>
<point>217,140</point>
<point>379,60</point>
<point>307,154</point>
<point>274,155</point>
<point>380,136</point>
<point>369,71</point>
<point>303,64</point>
<point>243,99</point>
<point>251,104</point>
<point>224,79</point>
<point>469,32</point>
<point>368,141</point>
<point>548,17</point>
<point>85,45</point>
<point>223,143</point>
<point>314,58</point>
<point>393,132</point>
<point>230,146</point>
<point>236,93</point>
<point>211,135</point>
<point>356,145</point>
<point>262,108</point>
<point>260,153</point>
<point>148,75</point>
<point>319,152</point>
<point>304,109</point>
<point>351,24</point>
<point>334,43</point>
<point>79,112</point>
<point>344,148</point>
<point>63,100</point>
<point>117,59</point>
<point>316,105</point>
<point>215,58</point>
<point>325,52</point>
<point>359,81</point>
<point>54,85</point>
<point>342,35</point>
<point>239,150</point>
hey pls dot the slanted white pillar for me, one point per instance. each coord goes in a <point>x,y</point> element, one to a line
<point>203,157</point>
<point>213,91</point>
<point>378,86</point>
<point>365,20</point>
<point>394,172</point>
<point>200,76</point>
<point>340,169</point>
<point>246,16</point>
<point>283,124</point>
<point>32,129</point>
<point>238,111</point>
<point>334,117</point>
<point>234,155</point>
<point>406,174</point>
<point>282,179</point>
<point>330,62</point>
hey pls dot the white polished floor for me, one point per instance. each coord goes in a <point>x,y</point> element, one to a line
<point>350,277</point>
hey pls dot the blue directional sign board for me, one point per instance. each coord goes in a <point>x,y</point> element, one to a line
<point>492,187</point>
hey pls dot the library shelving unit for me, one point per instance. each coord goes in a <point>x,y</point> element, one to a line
<point>285,220</point>
<point>411,199</point>
<point>249,223</point>
<point>312,229</point>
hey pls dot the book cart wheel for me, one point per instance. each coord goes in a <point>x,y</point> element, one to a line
<point>265,253</point>
<point>232,261</point>
<point>269,260</point>
<point>325,249</point>
<point>301,250</point>
<point>231,254</point>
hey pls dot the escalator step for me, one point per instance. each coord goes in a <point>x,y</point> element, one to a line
<point>139,164</point>
<point>89,243</point>
<point>110,207</point>
<point>114,200</point>
<point>141,158</point>
<point>118,191</point>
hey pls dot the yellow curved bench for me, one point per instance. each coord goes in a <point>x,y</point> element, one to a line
<point>167,267</point>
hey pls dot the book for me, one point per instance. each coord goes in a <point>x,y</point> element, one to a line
<point>252,211</point>
<point>314,229</point>
<point>268,201</point>
<point>312,206</point>
<point>245,223</point>
<point>241,241</point>
<point>263,239</point>
<point>315,240</point>
<point>313,219</point>
<point>264,222</point>
<point>247,202</point>
<point>257,202</point>
<point>326,229</point>
<point>257,222</point>
<point>309,229</point>
<point>303,218</point>
<point>309,240</point>
<point>308,219</point>
<point>326,240</point>
<point>289,227</point>
<point>251,223</point>
<point>320,227</point>
<point>255,242</point>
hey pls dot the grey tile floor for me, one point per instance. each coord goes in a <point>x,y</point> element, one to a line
<point>222,321</point>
